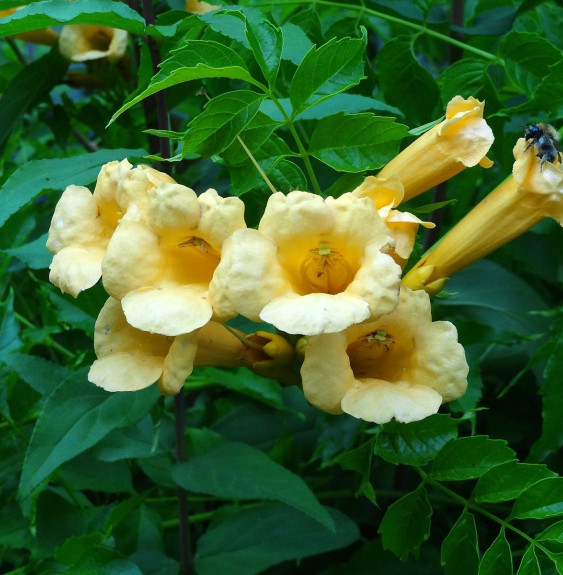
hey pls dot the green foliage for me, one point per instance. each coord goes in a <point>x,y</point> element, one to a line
<point>313,96</point>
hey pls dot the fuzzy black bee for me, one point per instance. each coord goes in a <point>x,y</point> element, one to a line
<point>545,140</point>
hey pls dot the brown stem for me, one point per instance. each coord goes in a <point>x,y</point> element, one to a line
<point>186,561</point>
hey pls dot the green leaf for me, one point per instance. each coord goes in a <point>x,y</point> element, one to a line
<point>460,551</point>
<point>254,539</point>
<point>296,43</point>
<point>34,177</point>
<point>221,122</point>
<point>27,89</point>
<point>552,405</point>
<point>9,332</point>
<point>250,384</point>
<point>552,533</point>
<point>254,136</point>
<point>417,442</point>
<point>406,523</point>
<point>326,71</point>
<point>195,60</point>
<point>508,481</point>
<point>266,42</point>
<point>529,564</point>
<point>76,416</point>
<point>540,501</point>
<point>470,457</point>
<point>359,460</point>
<point>34,254</point>
<point>238,471</point>
<point>38,15</point>
<point>355,143</point>
<point>401,76</point>
<point>37,372</point>
<point>497,559</point>
<point>530,51</point>
<point>464,77</point>
<point>489,294</point>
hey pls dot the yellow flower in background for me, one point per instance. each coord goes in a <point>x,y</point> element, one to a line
<point>461,141</point>
<point>387,193</point>
<point>160,265</point>
<point>313,266</point>
<point>519,203</point>
<point>199,7</point>
<point>402,366</point>
<point>45,36</point>
<point>83,222</point>
<point>82,43</point>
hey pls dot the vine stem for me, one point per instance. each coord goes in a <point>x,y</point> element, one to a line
<point>475,507</point>
<point>413,25</point>
<point>186,560</point>
<point>302,151</point>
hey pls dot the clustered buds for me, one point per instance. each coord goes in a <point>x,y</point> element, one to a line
<point>326,273</point>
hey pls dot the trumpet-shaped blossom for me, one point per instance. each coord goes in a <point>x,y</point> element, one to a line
<point>83,222</point>
<point>387,193</point>
<point>130,359</point>
<point>160,265</point>
<point>519,203</point>
<point>82,43</point>
<point>458,142</point>
<point>313,266</point>
<point>401,366</point>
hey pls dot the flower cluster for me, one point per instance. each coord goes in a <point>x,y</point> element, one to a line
<point>177,266</point>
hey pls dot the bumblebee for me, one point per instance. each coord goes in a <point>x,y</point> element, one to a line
<point>545,139</point>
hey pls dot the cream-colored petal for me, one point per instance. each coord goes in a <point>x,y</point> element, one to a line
<point>248,276</point>
<point>75,221</point>
<point>172,209</point>
<point>377,282</point>
<point>287,218</point>
<point>326,372</point>
<point>315,313</point>
<point>220,217</point>
<point>133,257</point>
<point>179,363</point>
<point>125,372</point>
<point>169,311</point>
<point>76,268</point>
<point>383,192</point>
<point>440,360</point>
<point>380,401</point>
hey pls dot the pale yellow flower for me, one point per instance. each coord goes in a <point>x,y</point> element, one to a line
<point>130,359</point>
<point>200,7</point>
<point>519,203</point>
<point>82,43</point>
<point>461,141</point>
<point>83,222</point>
<point>402,366</point>
<point>160,265</point>
<point>313,266</point>
<point>387,193</point>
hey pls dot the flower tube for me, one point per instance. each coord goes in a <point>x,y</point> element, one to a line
<point>313,266</point>
<point>460,141</point>
<point>83,222</point>
<point>519,203</point>
<point>402,366</point>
